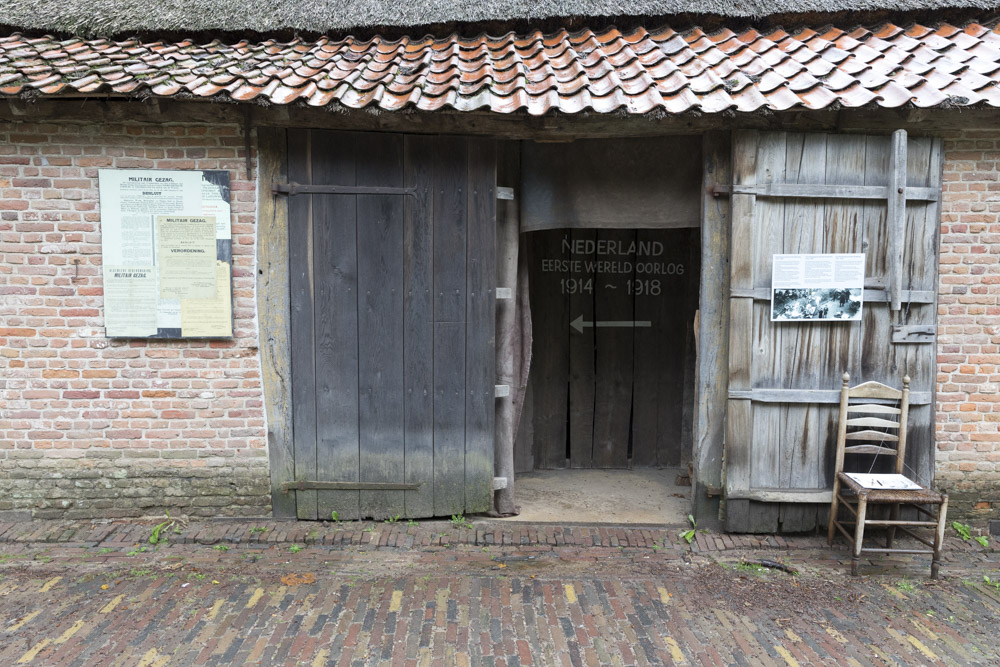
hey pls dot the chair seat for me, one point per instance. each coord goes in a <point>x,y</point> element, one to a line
<point>918,496</point>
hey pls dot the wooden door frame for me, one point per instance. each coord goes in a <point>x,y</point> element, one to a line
<point>712,331</point>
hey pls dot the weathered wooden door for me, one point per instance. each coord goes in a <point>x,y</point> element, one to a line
<point>825,193</point>
<point>613,348</point>
<point>391,262</point>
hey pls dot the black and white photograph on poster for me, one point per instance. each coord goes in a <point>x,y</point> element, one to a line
<point>817,288</point>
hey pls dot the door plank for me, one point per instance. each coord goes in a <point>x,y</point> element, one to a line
<point>451,174</point>
<point>582,353</point>
<point>380,324</point>
<point>613,364</point>
<point>774,155</point>
<point>480,335</point>
<point>549,352</point>
<point>303,358</point>
<point>449,418</point>
<point>418,335</point>
<point>335,262</point>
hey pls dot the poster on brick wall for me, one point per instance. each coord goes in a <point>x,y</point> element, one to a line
<point>167,253</point>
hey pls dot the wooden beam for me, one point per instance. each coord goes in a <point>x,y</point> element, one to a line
<point>870,295</point>
<point>123,108</point>
<point>273,314</point>
<point>809,396</point>
<point>712,330</point>
<point>813,191</point>
<point>311,485</point>
<point>896,219</point>
<point>783,495</point>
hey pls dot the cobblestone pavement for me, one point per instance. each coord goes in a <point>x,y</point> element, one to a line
<point>290,593</point>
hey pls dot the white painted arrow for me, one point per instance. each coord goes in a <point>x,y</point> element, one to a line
<point>579,324</point>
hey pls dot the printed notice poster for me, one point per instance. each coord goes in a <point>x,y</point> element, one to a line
<point>211,316</point>
<point>132,291</point>
<point>175,226</point>
<point>818,288</point>
<point>186,257</point>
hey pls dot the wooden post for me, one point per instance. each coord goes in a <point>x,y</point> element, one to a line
<point>273,314</point>
<point>896,218</point>
<point>508,337</point>
<point>712,332</point>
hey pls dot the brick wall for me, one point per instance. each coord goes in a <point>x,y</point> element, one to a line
<point>968,408</point>
<point>97,427</point>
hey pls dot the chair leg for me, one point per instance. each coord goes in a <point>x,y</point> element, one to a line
<point>890,534</point>
<point>939,538</point>
<point>834,506</point>
<point>859,534</point>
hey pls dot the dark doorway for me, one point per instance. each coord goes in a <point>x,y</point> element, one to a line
<point>612,375</point>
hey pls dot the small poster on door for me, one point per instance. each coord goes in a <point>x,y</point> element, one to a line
<point>817,288</point>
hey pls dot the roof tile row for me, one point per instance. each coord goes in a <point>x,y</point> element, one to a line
<point>637,72</point>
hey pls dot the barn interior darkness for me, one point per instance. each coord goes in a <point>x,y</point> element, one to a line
<point>613,254</point>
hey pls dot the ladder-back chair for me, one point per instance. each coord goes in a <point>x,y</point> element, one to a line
<point>875,428</point>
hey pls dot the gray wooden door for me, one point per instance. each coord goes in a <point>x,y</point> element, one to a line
<point>825,193</point>
<point>612,313</point>
<point>392,324</point>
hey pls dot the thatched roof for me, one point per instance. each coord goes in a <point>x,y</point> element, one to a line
<point>116,17</point>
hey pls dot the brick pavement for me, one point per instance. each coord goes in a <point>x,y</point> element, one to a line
<point>289,593</point>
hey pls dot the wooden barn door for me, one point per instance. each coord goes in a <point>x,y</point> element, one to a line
<point>825,193</point>
<point>391,263</point>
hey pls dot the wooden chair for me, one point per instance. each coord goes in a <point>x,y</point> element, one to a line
<point>857,492</point>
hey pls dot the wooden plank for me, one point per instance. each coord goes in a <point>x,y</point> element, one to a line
<point>335,261</point>
<point>381,324</point>
<point>582,354</point>
<point>480,338</point>
<point>449,417</point>
<point>809,396</point>
<point>550,352</point>
<point>739,413</point>
<point>680,450</point>
<point>829,190</point>
<point>786,495</point>
<point>872,435</point>
<point>769,231</point>
<point>418,338</point>
<point>351,486</point>
<point>661,351</point>
<point>897,216</point>
<point>510,338</point>
<point>872,421</point>
<point>870,295</point>
<point>449,232</point>
<point>712,340</point>
<point>450,228</point>
<point>300,230</point>
<point>613,364</point>
<point>869,449</point>
<point>274,309</point>
<point>524,442</point>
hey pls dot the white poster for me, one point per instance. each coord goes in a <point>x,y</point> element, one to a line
<point>133,201</point>
<point>817,288</point>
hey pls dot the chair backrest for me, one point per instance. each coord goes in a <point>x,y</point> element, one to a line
<point>870,424</point>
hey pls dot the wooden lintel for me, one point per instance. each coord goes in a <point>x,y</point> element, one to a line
<point>312,485</point>
<point>161,110</point>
